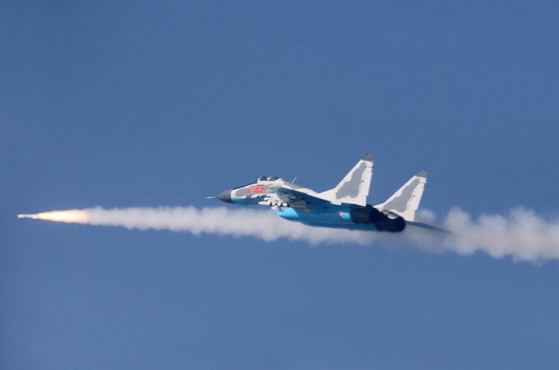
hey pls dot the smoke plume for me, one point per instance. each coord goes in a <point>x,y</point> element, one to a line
<point>221,221</point>
<point>521,234</point>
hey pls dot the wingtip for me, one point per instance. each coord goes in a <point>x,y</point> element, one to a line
<point>422,173</point>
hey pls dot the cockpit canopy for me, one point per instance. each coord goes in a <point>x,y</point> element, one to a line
<point>260,179</point>
<point>267,178</point>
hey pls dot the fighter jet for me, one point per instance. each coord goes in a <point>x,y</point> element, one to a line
<point>344,206</point>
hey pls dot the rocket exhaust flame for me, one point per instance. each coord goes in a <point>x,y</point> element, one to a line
<point>521,234</point>
<point>59,216</point>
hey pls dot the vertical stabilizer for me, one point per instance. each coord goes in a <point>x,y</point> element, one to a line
<point>354,187</point>
<point>406,200</point>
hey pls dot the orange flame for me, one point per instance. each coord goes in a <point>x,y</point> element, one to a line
<point>64,216</point>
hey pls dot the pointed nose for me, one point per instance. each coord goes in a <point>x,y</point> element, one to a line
<point>225,196</point>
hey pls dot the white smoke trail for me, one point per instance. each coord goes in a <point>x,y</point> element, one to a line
<point>521,234</point>
<point>222,221</point>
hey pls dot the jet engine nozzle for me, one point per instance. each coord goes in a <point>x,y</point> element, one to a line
<point>390,222</point>
<point>392,225</point>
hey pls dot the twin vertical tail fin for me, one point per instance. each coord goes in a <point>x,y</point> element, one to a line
<point>406,200</point>
<point>354,187</point>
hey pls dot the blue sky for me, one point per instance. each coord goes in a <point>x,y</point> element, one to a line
<point>121,104</point>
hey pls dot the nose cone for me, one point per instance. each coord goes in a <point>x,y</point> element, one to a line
<point>225,196</point>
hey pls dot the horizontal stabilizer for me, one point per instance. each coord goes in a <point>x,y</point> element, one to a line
<point>427,226</point>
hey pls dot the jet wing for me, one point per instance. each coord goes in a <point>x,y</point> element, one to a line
<point>298,199</point>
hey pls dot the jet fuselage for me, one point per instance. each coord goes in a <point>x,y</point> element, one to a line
<point>344,206</point>
<point>274,192</point>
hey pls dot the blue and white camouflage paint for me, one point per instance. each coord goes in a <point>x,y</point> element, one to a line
<point>344,206</point>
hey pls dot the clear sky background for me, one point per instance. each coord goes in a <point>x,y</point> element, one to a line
<point>146,104</point>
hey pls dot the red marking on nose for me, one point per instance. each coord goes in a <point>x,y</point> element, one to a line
<point>256,189</point>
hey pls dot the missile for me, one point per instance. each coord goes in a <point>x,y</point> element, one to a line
<point>28,216</point>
